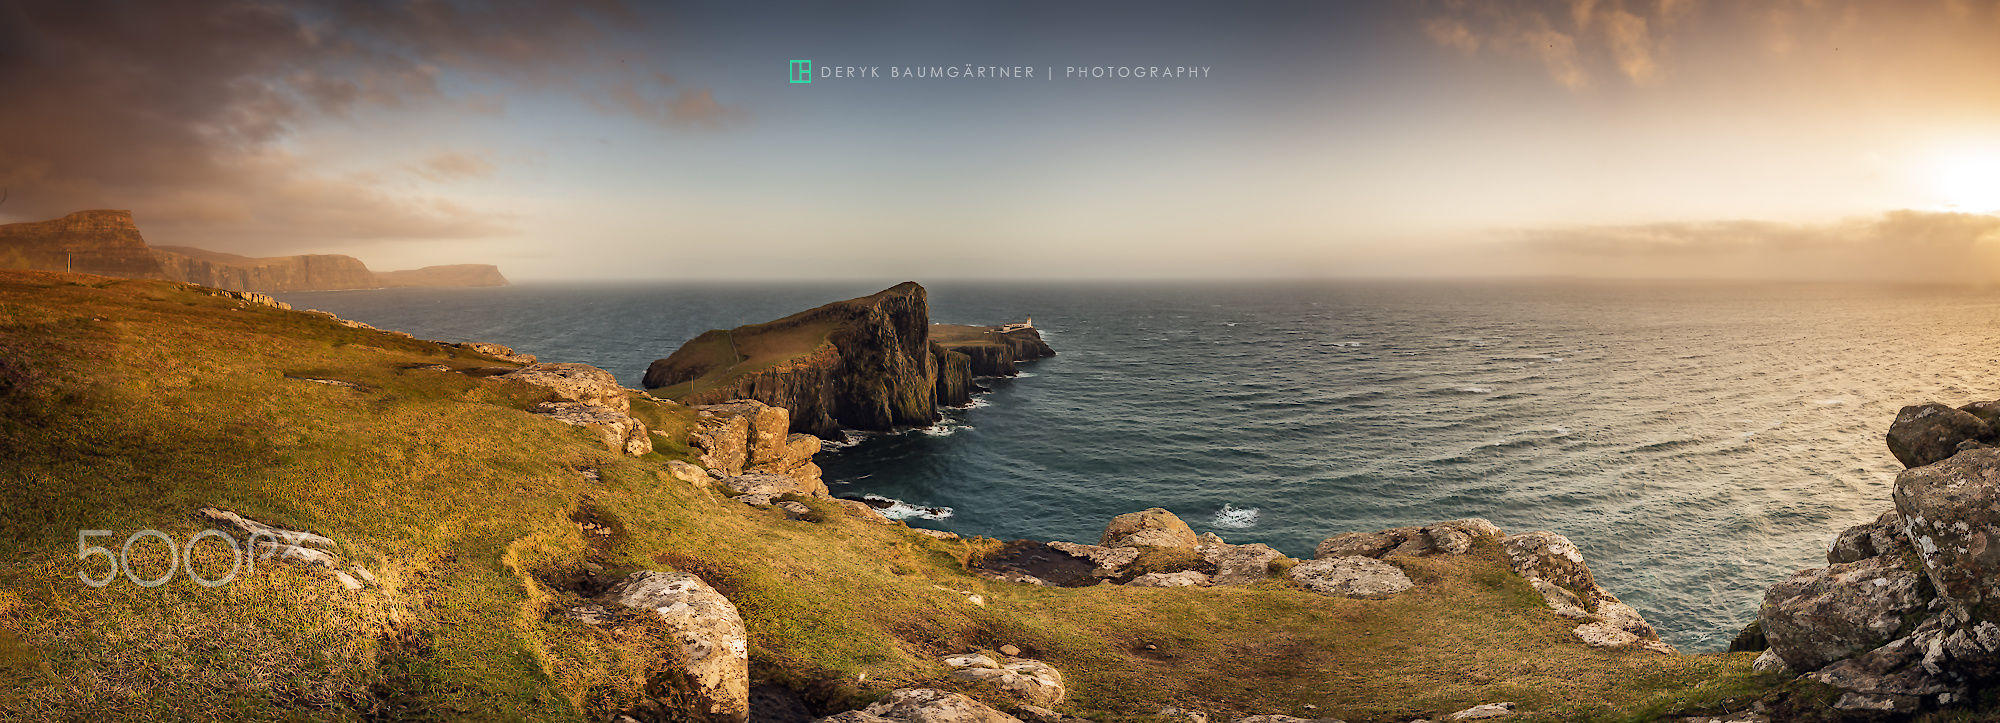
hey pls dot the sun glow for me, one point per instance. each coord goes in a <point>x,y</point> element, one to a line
<point>1970,181</point>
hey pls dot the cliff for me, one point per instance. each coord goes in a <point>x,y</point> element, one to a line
<point>994,350</point>
<point>106,243</point>
<point>447,275</point>
<point>863,363</point>
<point>307,272</point>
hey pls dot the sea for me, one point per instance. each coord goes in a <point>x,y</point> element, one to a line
<point>1698,441</point>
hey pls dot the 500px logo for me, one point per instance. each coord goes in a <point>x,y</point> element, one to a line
<point>802,71</point>
<point>181,558</point>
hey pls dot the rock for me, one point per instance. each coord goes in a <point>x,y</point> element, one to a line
<point>1010,650</point>
<point>1026,681</point>
<point>715,659</point>
<point>971,660</point>
<point>1551,557</point>
<point>1769,662</point>
<point>1352,577</point>
<point>619,431</point>
<point>1554,567</point>
<point>1184,578</point>
<point>1604,635</point>
<point>929,705</point>
<point>1453,537</point>
<point>1154,527</point>
<point>1363,544</point>
<point>1884,536</point>
<point>1110,561</point>
<point>689,473</point>
<point>1483,712</point>
<point>795,510</point>
<point>1927,433</point>
<point>1750,640</point>
<point>754,500</point>
<point>1952,509</point>
<point>745,435</point>
<point>939,534</point>
<point>1238,564</point>
<point>1182,714</point>
<point>855,716</point>
<point>1456,537</point>
<point>766,483</point>
<point>1821,615</point>
<point>864,511</point>
<point>580,383</point>
<point>1985,411</point>
<point>496,351</point>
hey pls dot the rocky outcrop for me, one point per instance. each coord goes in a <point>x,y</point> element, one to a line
<point>1549,562</point>
<point>747,436</point>
<point>1355,577</point>
<point>863,364</point>
<point>1237,564</point>
<point>1904,617</point>
<point>619,431</point>
<point>1153,527</point>
<point>713,665</point>
<point>924,705</point>
<point>269,542</point>
<point>305,272</point>
<point>587,397</point>
<point>993,351</point>
<point>1926,433</point>
<point>1032,682</point>
<point>449,275</point>
<point>87,242</point>
<point>496,351</point>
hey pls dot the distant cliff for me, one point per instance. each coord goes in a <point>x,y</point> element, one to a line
<point>993,351</point>
<point>308,272</point>
<point>108,243</point>
<point>91,242</point>
<point>449,275</point>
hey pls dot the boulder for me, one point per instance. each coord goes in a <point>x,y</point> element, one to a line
<point>714,665</point>
<point>1110,561</point>
<point>1884,536</point>
<point>1352,577</point>
<point>1238,564</point>
<point>766,483</point>
<point>929,705</point>
<point>1985,411</point>
<point>1153,527</point>
<point>496,351</point>
<point>619,431</point>
<point>1554,567</point>
<point>1927,433</point>
<point>1026,681</point>
<point>1484,712</point>
<point>746,435</point>
<point>1769,662</point>
<point>1453,537</point>
<point>1821,615</point>
<point>1550,557</point>
<point>1952,509</point>
<point>689,473</point>
<point>1363,544</point>
<point>580,383</point>
<point>1184,578</point>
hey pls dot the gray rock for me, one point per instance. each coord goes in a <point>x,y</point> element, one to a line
<point>1952,510</point>
<point>581,383</point>
<point>1153,527</point>
<point>689,473</point>
<point>619,431</point>
<point>1352,577</point>
<point>1025,681</point>
<point>1821,615</point>
<point>1184,578</point>
<point>715,651</point>
<point>1884,536</point>
<point>1238,564</point>
<point>1110,561</point>
<point>1769,662</point>
<point>496,351</point>
<point>767,483</point>
<point>1927,433</point>
<point>1484,712</point>
<point>929,705</point>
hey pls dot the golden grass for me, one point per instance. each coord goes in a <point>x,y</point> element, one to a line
<point>129,404</point>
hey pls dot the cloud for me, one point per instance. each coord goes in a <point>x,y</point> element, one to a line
<point>187,111</point>
<point>1580,41</point>
<point>1904,246</point>
<point>454,165</point>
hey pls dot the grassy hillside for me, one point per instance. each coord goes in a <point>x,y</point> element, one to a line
<point>130,404</point>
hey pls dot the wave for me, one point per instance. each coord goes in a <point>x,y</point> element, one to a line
<point>1234,517</point>
<point>1474,390</point>
<point>896,509</point>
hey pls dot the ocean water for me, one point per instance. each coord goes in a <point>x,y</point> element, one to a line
<point>1698,441</point>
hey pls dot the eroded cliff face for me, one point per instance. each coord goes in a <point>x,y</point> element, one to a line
<point>91,242</point>
<point>447,275</point>
<point>863,363</point>
<point>306,272</point>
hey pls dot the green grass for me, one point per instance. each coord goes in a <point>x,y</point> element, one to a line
<point>129,404</point>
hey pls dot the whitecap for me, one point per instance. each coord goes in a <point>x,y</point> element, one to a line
<point>1830,402</point>
<point>1024,375</point>
<point>896,509</point>
<point>1234,517</point>
<point>1346,343</point>
<point>944,429</point>
<point>1474,390</point>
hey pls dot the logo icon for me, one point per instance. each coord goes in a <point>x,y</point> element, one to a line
<point>802,71</point>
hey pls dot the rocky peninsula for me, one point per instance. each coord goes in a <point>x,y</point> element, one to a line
<point>108,242</point>
<point>870,363</point>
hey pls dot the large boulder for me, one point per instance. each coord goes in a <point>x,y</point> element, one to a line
<point>1554,567</point>
<point>1821,615</point>
<point>1238,564</point>
<point>1353,577</point>
<point>1927,433</point>
<point>1884,536</point>
<point>496,351</point>
<point>766,483</point>
<point>714,664</point>
<point>1952,512</point>
<point>745,435</point>
<point>619,431</point>
<point>1032,682</point>
<point>1153,527</point>
<point>929,705</point>
<point>1453,537</point>
<point>580,383</point>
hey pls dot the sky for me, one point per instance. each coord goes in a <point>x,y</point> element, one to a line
<point>607,140</point>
